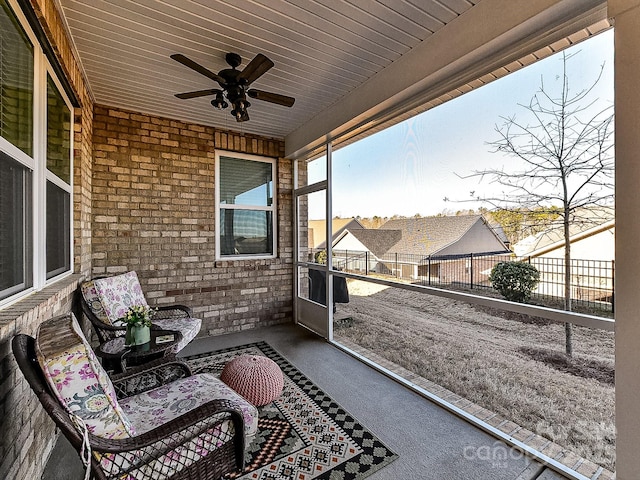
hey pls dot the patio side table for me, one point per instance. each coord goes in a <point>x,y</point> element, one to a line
<point>116,356</point>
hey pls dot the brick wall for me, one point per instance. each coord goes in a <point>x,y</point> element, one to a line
<point>28,435</point>
<point>153,211</point>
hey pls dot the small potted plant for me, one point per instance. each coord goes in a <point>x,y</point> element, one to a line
<point>138,321</point>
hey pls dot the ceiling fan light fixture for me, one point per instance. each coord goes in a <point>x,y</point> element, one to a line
<point>240,115</point>
<point>239,111</point>
<point>219,102</point>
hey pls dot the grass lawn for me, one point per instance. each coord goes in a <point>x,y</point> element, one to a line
<point>511,364</point>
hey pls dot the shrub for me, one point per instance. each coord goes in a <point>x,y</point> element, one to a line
<point>320,257</point>
<point>514,280</point>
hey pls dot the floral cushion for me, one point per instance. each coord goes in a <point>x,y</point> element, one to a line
<point>118,293</point>
<point>160,405</point>
<point>92,299</point>
<point>173,461</point>
<point>189,327</point>
<point>78,380</point>
<point>156,407</point>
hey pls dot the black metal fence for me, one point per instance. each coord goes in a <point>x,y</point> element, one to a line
<point>591,280</point>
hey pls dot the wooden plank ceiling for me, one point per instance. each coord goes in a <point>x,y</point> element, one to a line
<point>322,50</point>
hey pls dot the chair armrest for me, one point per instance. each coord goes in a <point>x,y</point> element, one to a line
<point>173,311</point>
<point>149,376</point>
<point>155,443</point>
<point>95,321</point>
<point>111,328</point>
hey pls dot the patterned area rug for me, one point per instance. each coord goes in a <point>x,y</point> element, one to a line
<point>304,434</point>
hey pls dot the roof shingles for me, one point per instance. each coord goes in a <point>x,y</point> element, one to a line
<point>377,241</point>
<point>429,235</point>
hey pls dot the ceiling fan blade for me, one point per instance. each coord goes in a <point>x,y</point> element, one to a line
<point>271,97</point>
<point>256,67</point>
<point>187,62</point>
<point>198,93</point>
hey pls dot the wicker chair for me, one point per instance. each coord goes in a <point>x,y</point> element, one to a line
<point>103,314</point>
<point>204,440</point>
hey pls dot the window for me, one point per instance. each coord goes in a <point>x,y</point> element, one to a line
<point>35,163</point>
<point>245,202</point>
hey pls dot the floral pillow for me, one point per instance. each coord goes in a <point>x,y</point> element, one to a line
<point>78,380</point>
<point>92,299</point>
<point>118,293</point>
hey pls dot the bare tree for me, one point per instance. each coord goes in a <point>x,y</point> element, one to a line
<point>564,161</point>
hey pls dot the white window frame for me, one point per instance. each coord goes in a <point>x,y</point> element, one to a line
<point>37,164</point>
<point>270,208</point>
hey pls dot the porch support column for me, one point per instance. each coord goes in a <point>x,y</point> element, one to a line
<point>626,15</point>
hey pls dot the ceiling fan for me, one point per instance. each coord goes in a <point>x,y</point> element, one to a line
<point>234,84</point>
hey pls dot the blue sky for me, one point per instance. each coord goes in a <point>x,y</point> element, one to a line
<point>411,167</point>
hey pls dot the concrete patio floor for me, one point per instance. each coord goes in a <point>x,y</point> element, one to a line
<point>431,442</point>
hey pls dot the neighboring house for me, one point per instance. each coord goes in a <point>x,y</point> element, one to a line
<point>318,231</point>
<point>497,227</point>
<point>593,243</point>
<point>363,249</point>
<point>591,234</point>
<point>451,235</point>
<point>592,256</point>
<point>417,247</point>
<point>420,247</point>
<point>439,247</point>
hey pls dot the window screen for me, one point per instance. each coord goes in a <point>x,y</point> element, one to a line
<point>15,231</point>
<point>58,230</point>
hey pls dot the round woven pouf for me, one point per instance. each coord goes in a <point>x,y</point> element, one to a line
<point>258,379</point>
